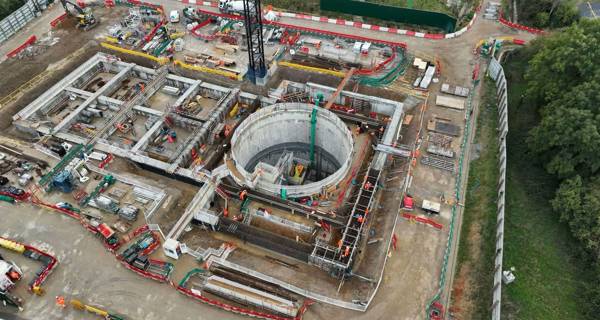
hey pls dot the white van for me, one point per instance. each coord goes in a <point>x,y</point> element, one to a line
<point>174,16</point>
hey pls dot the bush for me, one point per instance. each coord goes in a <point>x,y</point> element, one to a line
<point>8,6</point>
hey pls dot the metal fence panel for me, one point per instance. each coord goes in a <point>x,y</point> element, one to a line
<point>18,19</point>
<point>496,72</point>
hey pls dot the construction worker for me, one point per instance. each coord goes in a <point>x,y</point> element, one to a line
<point>346,252</point>
<point>368,185</point>
<point>360,219</point>
<point>340,243</point>
<point>225,212</point>
<point>60,302</point>
<point>243,194</point>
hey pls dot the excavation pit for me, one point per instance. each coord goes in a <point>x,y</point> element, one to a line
<point>278,159</point>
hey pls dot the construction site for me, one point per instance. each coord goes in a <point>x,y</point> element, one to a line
<point>256,163</point>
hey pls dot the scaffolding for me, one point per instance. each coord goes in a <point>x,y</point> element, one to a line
<point>338,260</point>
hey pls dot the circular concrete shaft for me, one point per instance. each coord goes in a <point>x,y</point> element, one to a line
<point>289,124</point>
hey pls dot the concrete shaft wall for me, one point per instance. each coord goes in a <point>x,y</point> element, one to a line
<point>285,123</point>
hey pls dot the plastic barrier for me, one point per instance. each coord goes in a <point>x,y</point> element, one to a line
<point>21,248</point>
<point>377,67</point>
<point>231,308</point>
<point>161,60</point>
<point>39,280</point>
<point>422,220</point>
<point>355,24</point>
<point>58,20</point>
<point>223,73</point>
<point>311,30</point>
<point>31,40</point>
<point>143,273</point>
<point>22,197</point>
<point>12,245</point>
<point>152,32</point>
<point>195,32</point>
<point>518,26</point>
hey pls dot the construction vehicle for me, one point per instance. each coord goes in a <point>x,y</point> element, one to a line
<point>231,6</point>
<point>190,15</point>
<point>86,17</point>
<point>9,275</point>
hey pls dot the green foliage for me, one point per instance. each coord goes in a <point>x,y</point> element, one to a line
<point>547,13</point>
<point>550,278</point>
<point>578,203</point>
<point>8,6</point>
<point>564,78</point>
<point>563,84</point>
<point>312,6</point>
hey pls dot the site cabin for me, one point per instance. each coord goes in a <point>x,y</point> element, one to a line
<point>172,248</point>
<point>431,207</point>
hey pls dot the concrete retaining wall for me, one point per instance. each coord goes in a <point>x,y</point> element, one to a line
<point>265,129</point>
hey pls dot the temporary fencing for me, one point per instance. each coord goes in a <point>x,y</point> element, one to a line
<point>389,76</point>
<point>309,30</point>
<point>49,262</point>
<point>518,26</point>
<point>496,72</point>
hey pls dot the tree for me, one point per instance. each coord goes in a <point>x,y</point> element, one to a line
<point>563,81</point>
<point>547,13</point>
<point>579,204</point>
<point>8,6</point>
<point>564,78</point>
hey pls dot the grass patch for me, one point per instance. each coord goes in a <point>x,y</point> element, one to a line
<point>314,7</point>
<point>550,274</point>
<point>476,245</point>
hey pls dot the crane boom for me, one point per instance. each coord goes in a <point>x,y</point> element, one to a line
<point>340,88</point>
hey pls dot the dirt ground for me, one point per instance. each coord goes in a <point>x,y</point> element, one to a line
<point>88,272</point>
<point>92,274</point>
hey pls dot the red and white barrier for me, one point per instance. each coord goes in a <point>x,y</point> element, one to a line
<point>310,30</point>
<point>519,26</point>
<point>356,24</point>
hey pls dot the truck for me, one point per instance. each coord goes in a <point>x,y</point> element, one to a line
<point>10,274</point>
<point>231,6</point>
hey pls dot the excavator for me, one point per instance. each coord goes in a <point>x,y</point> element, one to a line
<point>86,18</point>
